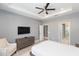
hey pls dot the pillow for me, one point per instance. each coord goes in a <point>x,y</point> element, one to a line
<point>3,42</point>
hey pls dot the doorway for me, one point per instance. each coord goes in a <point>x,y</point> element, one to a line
<point>65,32</point>
<point>45,30</point>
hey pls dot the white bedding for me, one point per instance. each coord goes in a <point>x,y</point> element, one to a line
<point>50,48</point>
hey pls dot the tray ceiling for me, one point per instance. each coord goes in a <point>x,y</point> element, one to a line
<point>28,9</point>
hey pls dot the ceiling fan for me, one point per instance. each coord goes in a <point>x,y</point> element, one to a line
<point>46,9</point>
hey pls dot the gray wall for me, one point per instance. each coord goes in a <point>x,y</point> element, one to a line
<point>9,23</point>
<point>53,27</point>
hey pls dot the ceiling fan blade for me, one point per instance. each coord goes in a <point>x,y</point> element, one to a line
<point>40,11</point>
<point>51,9</point>
<point>38,8</point>
<point>46,12</point>
<point>47,5</point>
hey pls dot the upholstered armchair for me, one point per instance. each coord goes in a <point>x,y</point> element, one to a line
<point>6,49</point>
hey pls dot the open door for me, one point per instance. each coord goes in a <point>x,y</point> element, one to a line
<point>65,32</point>
<point>45,32</point>
<point>41,33</point>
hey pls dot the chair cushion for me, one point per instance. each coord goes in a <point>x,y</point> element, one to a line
<point>3,42</point>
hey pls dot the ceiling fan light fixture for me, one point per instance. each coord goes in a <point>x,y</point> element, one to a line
<point>46,9</point>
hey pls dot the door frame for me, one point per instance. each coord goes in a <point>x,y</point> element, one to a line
<point>60,30</point>
<point>47,30</point>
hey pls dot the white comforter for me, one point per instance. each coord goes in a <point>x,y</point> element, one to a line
<point>50,48</point>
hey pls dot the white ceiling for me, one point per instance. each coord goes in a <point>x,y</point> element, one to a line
<point>28,9</point>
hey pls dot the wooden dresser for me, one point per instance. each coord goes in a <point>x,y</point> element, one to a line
<point>24,42</point>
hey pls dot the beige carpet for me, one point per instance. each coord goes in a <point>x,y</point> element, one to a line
<point>23,52</point>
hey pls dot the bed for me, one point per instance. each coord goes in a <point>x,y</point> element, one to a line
<point>51,48</point>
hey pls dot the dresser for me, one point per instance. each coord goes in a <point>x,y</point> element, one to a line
<point>25,42</point>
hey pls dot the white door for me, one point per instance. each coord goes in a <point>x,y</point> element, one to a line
<point>65,32</point>
<point>41,33</point>
<point>45,32</point>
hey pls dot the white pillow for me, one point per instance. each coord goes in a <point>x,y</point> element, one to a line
<point>3,42</point>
